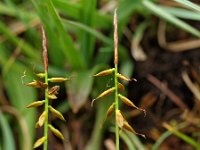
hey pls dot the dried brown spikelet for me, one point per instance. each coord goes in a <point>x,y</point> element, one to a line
<point>39,142</point>
<point>122,77</point>
<point>130,103</point>
<point>35,104</point>
<point>56,132</point>
<point>42,119</point>
<point>104,72</point>
<point>121,86</point>
<point>54,90</point>
<point>110,110</point>
<point>56,113</point>
<point>105,93</point>
<point>57,79</point>
<point>52,96</point>
<point>37,84</point>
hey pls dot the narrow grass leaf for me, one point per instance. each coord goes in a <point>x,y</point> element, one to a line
<point>170,18</point>
<point>189,4</point>
<point>7,142</point>
<point>182,136</point>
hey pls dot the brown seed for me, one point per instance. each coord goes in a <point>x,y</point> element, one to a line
<point>110,110</point>
<point>37,84</point>
<point>39,142</point>
<point>57,79</point>
<point>42,119</point>
<point>35,104</point>
<point>56,132</point>
<point>130,103</point>
<point>54,90</point>
<point>105,93</point>
<point>56,113</point>
<point>104,72</point>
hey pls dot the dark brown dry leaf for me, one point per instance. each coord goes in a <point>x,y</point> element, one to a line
<point>105,93</point>
<point>130,103</point>
<point>122,77</point>
<point>40,75</point>
<point>42,119</point>
<point>104,72</point>
<point>121,86</point>
<point>56,113</point>
<point>39,142</point>
<point>128,127</point>
<point>110,110</point>
<point>54,90</point>
<point>35,104</point>
<point>37,84</point>
<point>57,79</point>
<point>119,119</point>
<point>56,132</point>
<point>53,96</point>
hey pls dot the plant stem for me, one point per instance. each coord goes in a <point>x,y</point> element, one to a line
<point>45,147</point>
<point>115,76</point>
<point>116,107</point>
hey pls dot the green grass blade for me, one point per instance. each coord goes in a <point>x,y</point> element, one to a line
<point>7,137</point>
<point>26,48</point>
<point>160,140</point>
<point>72,10</point>
<point>182,13</point>
<point>170,18</point>
<point>189,4</point>
<point>87,41</point>
<point>72,55</point>
<point>127,140</point>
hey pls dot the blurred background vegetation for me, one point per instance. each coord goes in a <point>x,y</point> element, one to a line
<point>158,44</point>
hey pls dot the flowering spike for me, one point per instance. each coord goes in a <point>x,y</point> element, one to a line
<point>56,132</point>
<point>35,104</point>
<point>105,93</point>
<point>39,142</point>
<point>130,103</point>
<point>105,72</point>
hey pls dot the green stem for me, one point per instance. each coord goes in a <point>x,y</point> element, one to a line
<point>45,146</point>
<point>116,107</point>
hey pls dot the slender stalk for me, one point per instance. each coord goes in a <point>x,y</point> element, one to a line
<point>45,146</point>
<point>116,107</point>
<point>115,76</point>
<point>45,59</point>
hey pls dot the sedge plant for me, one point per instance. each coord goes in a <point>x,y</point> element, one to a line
<point>49,94</point>
<point>120,120</point>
